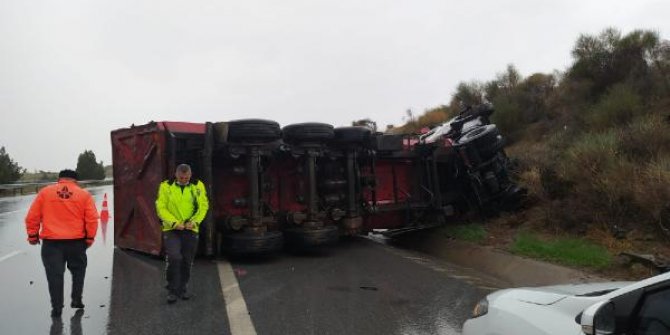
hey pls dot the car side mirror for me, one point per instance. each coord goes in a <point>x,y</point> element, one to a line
<point>599,319</point>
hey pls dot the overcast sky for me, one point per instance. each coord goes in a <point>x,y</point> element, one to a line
<point>72,71</point>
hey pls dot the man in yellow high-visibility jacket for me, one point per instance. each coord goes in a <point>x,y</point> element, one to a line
<point>181,205</point>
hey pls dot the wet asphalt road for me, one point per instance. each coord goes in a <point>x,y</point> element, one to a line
<point>358,287</point>
<point>24,297</point>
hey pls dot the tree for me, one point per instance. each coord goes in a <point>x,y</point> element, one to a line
<point>504,84</point>
<point>367,122</point>
<point>610,58</point>
<point>88,168</point>
<point>410,125</point>
<point>433,117</point>
<point>9,170</point>
<point>469,94</point>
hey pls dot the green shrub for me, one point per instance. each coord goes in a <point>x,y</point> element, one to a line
<point>470,232</point>
<point>615,108</point>
<point>568,251</point>
<point>646,138</point>
<point>590,155</point>
<point>652,191</point>
<point>553,185</point>
<point>508,117</point>
<point>602,179</point>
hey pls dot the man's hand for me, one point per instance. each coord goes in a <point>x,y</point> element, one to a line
<point>179,226</point>
<point>34,240</point>
<point>189,225</point>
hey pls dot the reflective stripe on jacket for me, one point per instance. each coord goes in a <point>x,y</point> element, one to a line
<point>176,206</point>
<point>63,211</point>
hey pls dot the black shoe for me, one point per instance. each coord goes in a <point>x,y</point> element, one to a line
<point>185,295</point>
<point>76,303</point>
<point>56,312</point>
<point>171,298</point>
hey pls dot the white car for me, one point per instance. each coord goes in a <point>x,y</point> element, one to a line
<point>603,308</point>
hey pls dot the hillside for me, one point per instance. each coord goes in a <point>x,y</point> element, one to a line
<point>591,143</point>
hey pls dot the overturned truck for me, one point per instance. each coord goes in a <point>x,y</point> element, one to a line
<point>305,185</point>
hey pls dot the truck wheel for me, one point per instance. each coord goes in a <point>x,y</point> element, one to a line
<point>299,238</point>
<point>253,130</point>
<point>492,149</point>
<point>310,132</point>
<point>352,135</point>
<point>485,139</point>
<point>252,244</point>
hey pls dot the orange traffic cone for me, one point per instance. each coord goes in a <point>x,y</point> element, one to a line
<point>104,218</point>
<point>104,213</point>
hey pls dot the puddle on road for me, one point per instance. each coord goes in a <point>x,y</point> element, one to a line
<point>442,325</point>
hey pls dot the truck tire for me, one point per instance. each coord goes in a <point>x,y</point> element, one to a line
<point>299,238</point>
<point>238,244</point>
<point>253,131</point>
<point>352,135</point>
<point>485,139</point>
<point>492,149</point>
<point>310,132</point>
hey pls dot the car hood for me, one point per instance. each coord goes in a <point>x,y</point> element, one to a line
<point>548,295</point>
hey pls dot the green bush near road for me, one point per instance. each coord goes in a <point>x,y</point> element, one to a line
<point>567,251</point>
<point>470,232</point>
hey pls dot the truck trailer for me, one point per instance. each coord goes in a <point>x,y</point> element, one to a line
<point>306,185</point>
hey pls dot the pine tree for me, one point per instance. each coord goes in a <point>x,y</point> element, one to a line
<point>88,168</point>
<point>9,170</point>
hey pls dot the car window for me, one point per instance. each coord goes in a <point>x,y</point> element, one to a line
<point>654,315</point>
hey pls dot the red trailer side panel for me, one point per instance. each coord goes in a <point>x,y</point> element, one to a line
<point>183,127</point>
<point>139,156</point>
<point>392,192</point>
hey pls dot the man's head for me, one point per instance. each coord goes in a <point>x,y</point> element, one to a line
<point>70,174</point>
<point>183,174</point>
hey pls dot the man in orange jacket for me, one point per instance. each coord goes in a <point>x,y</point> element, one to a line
<point>64,217</point>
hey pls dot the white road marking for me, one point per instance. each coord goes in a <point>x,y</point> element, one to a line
<point>10,255</point>
<point>236,307</point>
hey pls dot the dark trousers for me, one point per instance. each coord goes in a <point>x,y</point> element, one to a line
<point>180,248</point>
<point>56,254</point>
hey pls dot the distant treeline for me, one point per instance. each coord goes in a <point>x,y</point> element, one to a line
<point>43,176</point>
<point>87,167</point>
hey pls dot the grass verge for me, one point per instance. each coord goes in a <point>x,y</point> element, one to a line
<point>567,251</point>
<point>474,233</point>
